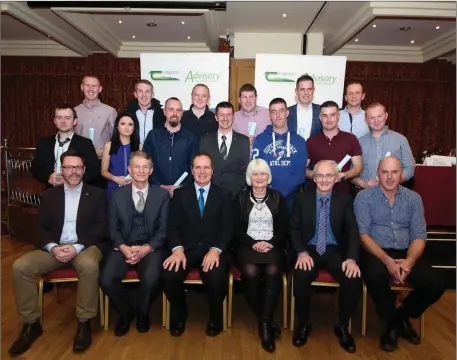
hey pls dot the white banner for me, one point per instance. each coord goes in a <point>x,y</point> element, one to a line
<point>175,74</point>
<point>275,76</point>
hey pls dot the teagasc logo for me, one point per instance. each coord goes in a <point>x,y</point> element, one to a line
<point>199,76</point>
<point>159,75</point>
<point>274,76</point>
<point>287,77</point>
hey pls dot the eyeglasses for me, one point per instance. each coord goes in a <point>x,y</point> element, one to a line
<point>64,118</point>
<point>70,168</point>
<point>320,177</point>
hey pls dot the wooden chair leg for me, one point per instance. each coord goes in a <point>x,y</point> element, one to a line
<point>284,301</point>
<point>164,310</point>
<point>230,301</point>
<point>224,309</point>
<point>292,305</point>
<point>422,325</point>
<point>40,300</point>
<point>106,317</point>
<point>167,323</point>
<point>350,326</point>
<point>364,309</point>
<point>102,308</point>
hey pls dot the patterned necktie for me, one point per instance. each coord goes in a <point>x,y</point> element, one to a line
<point>140,204</point>
<point>322,229</point>
<point>223,149</point>
<point>201,201</point>
<point>62,143</point>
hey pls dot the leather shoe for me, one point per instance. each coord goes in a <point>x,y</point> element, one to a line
<point>212,329</point>
<point>301,333</point>
<point>142,322</point>
<point>83,337</point>
<point>123,325</point>
<point>178,328</point>
<point>405,330</point>
<point>276,330</point>
<point>29,333</point>
<point>346,340</point>
<point>389,339</point>
<point>266,337</point>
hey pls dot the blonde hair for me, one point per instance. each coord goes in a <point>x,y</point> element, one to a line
<point>257,165</point>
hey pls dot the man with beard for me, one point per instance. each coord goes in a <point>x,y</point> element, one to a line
<point>171,148</point>
<point>72,226</point>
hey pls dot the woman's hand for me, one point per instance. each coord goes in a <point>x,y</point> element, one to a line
<point>262,246</point>
<point>121,181</point>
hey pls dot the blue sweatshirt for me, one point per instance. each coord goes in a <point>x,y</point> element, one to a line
<point>287,160</point>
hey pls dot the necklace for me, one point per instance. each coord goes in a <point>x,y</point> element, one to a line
<point>259,204</point>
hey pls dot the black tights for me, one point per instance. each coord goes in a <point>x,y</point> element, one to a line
<point>262,299</point>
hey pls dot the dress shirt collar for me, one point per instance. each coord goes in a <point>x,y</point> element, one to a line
<point>358,111</point>
<point>383,132</point>
<point>91,106</point>
<point>73,191</point>
<point>228,135</point>
<point>68,137</point>
<point>319,196</point>
<point>399,192</point>
<point>206,187</point>
<point>144,191</point>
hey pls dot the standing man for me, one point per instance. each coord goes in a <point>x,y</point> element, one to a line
<point>393,232</point>
<point>199,119</point>
<point>382,142</point>
<point>352,117</point>
<point>46,164</point>
<point>147,110</point>
<point>72,226</point>
<point>251,120</point>
<point>199,231</point>
<point>304,116</point>
<point>96,120</point>
<point>229,151</point>
<point>171,148</point>
<point>137,223</point>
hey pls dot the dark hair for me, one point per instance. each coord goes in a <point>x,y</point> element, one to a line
<point>353,82</point>
<point>134,137</point>
<point>277,101</point>
<point>171,98</point>
<point>246,88</point>
<point>225,105</point>
<point>329,104</point>
<point>66,106</point>
<point>72,153</point>
<point>202,153</point>
<point>304,77</point>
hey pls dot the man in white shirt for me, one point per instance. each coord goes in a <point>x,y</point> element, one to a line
<point>352,117</point>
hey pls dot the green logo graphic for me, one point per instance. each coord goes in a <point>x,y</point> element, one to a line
<point>287,77</point>
<point>159,75</point>
<point>323,79</point>
<point>274,76</point>
<point>197,76</point>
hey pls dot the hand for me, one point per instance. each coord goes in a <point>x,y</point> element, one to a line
<point>394,269</point>
<point>262,246</point>
<point>121,181</point>
<point>169,188</point>
<point>304,262</point>
<point>210,260</point>
<point>341,176</point>
<point>65,253</point>
<point>55,179</point>
<point>138,252</point>
<point>127,252</point>
<point>405,267</point>
<point>350,269</point>
<point>372,182</point>
<point>175,260</point>
<point>99,152</point>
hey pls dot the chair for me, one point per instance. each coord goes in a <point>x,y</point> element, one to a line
<point>130,277</point>
<point>64,275</point>
<point>193,278</point>
<point>393,287</point>
<point>235,274</point>
<point>323,279</point>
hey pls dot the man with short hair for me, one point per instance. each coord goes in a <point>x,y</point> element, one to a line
<point>229,150</point>
<point>251,120</point>
<point>95,119</point>
<point>137,223</point>
<point>199,119</point>
<point>382,142</point>
<point>393,233</point>
<point>304,116</point>
<point>71,230</point>
<point>146,109</point>
<point>171,148</point>
<point>352,117</point>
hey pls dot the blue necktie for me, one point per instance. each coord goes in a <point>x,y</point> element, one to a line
<point>201,201</point>
<point>322,229</point>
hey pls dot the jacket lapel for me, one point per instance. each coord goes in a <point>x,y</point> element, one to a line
<point>60,208</point>
<point>216,156</point>
<point>333,214</point>
<point>83,206</point>
<point>233,148</point>
<point>312,207</point>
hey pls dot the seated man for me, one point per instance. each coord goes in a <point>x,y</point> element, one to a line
<point>199,231</point>
<point>137,224</point>
<point>324,234</point>
<point>71,227</point>
<point>393,232</point>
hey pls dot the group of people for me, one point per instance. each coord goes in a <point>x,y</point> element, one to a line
<point>198,189</point>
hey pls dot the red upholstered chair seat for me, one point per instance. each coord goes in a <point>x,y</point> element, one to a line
<point>193,275</point>
<point>324,276</point>
<point>236,273</point>
<point>404,286</point>
<point>64,273</point>
<point>131,275</point>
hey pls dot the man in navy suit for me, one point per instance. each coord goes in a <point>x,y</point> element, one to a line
<point>304,116</point>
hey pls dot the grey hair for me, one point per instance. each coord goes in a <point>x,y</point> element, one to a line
<point>142,155</point>
<point>334,163</point>
<point>259,165</point>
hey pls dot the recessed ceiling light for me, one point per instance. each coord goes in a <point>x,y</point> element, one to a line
<point>356,40</point>
<point>412,41</point>
<point>284,15</point>
<point>183,22</point>
<point>188,38</point>
<point>151,23</point>
<point>120,21</point>
<point>374,25</point>
<point>133,36</point>
<point>437,28</point>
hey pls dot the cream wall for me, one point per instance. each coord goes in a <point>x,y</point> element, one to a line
<point>247,45</point>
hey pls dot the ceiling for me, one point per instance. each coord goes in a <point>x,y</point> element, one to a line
<point>123,32</point>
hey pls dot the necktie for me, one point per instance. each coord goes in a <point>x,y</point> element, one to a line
<point>223,149</point>
<point>201,201</point>
<point>140,204</point>
<point>62,143</point>
<point>322,229</point>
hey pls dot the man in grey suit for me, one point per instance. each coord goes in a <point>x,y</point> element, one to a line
<point>229,150</point>
<point>137,224</point>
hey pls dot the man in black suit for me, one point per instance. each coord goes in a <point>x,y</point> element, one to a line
<point>228,149</point>
<point>137,224</point>
<point>46,162</point>
<point>71,230</point>
<point>199,231</point>
<point>324,234</point>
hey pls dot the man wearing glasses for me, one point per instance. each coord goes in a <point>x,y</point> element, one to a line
<point>46,165</point>
<point>72,226</point>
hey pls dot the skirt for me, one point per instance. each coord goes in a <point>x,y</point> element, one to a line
<point>247,255</point>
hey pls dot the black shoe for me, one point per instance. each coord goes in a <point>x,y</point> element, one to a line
<point>389,339</point>
<point>266,337</point>
<point>83,337</point>
<point>405,330</point>
<point>213,329</point>
<point>123,325</point>
<point>142,322</point>
<point>301,333</point>
<point>276,329</point>
<point>178,328</point>
<point>29,333</point>
<point>346,340</point>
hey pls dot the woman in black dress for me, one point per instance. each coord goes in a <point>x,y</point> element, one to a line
<point>261,225</point>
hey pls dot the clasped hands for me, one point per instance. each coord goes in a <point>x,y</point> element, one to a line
<point>262,246</point>
<point>64,253</point>
<point>399,268</point>
<point>349,266</point>
<point>178,258</point>
<point>133,254</point>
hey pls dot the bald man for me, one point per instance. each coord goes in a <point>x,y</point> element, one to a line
<point>393,233</point>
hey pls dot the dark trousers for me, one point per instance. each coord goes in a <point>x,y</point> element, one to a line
<point>428,286</point>
<point>114,269</point>
<point>349,291</point>
<point>215,282</point>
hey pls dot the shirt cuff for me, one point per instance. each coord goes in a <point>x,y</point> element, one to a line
<point>177,247</point>
<point>49,246</point>
<point>152,250</point>
<point>78,248</point>
<point>219,250</point>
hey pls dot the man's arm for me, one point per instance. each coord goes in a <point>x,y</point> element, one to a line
<point>99,226</point>
<point>418,229</point>
<point>407,160</point>
<point>280,233</point>
<point>93,168</point>
<point>351,230</point>
<point>175,217</point>
<point>157,240</point>
<point>295,226</point>
<point>39,168</point>
<point>415,250</point>
<point>225,228</point>
<point>356,168</point>
<point>357,181</point>
<point>114,221</point>
<point>43,230</point>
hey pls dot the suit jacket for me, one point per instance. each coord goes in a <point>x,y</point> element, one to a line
<point>91,219</point>
<point>155,211</point>
<point>229,173</point>
<point>188,229</point>
<point>316,126</point>
<point>342,220</point>
<point>44,159</point>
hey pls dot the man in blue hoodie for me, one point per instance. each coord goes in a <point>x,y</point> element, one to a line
<point>284,151</point>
